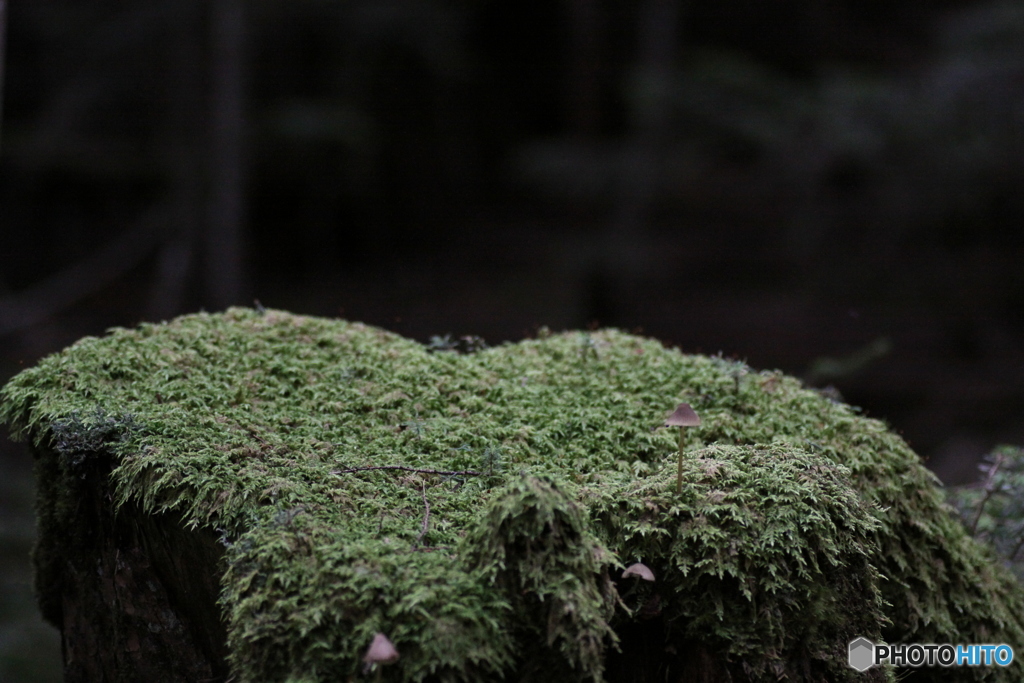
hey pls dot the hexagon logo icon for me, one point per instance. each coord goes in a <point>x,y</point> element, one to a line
<point>862,654</point>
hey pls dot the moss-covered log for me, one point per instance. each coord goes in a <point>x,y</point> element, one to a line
<point>258,494</point>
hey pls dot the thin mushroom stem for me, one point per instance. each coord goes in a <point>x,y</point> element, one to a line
<point>682,417</point>
<point>679,466</point>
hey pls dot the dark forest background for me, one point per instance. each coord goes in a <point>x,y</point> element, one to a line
<point>829,187</point>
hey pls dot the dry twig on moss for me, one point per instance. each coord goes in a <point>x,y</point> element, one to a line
<point>447,473</point>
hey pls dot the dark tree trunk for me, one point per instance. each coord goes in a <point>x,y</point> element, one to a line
<point>3,54</point>
<point>223,235</point>
<point>138,595</point>
<point>183,161</point>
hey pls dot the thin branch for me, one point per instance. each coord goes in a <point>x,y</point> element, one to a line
<point>1017,549</point>
<point>426,519</point>
<point>989,490</point>
<point>977,514</point>
<point>467,473</point>
<point>254,434</point>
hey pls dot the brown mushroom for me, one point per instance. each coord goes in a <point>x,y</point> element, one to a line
<point>683,416</point>
<point>640,570</point>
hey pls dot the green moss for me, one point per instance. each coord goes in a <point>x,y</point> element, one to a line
<point>765,554</point>
<point>800,524</point>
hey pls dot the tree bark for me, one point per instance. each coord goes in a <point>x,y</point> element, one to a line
<point>223,248</point>
<point>137,594</point>
<point>3,59</point>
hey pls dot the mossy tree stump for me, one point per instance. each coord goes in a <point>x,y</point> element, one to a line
<point>256,494</point>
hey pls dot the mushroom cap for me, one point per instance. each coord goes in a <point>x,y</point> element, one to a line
<point>640,570</point>
<point>684,416</point>
<point>381,651</point>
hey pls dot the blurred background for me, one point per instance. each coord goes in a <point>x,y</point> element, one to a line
<point>834,188</point>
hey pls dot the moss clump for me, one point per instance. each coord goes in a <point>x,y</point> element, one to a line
<point>478,508</point>
<point>765,554</point>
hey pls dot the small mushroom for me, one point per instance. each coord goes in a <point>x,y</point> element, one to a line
<point>682,417</point>
<point>640,570</point>
<point>381,651</point>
